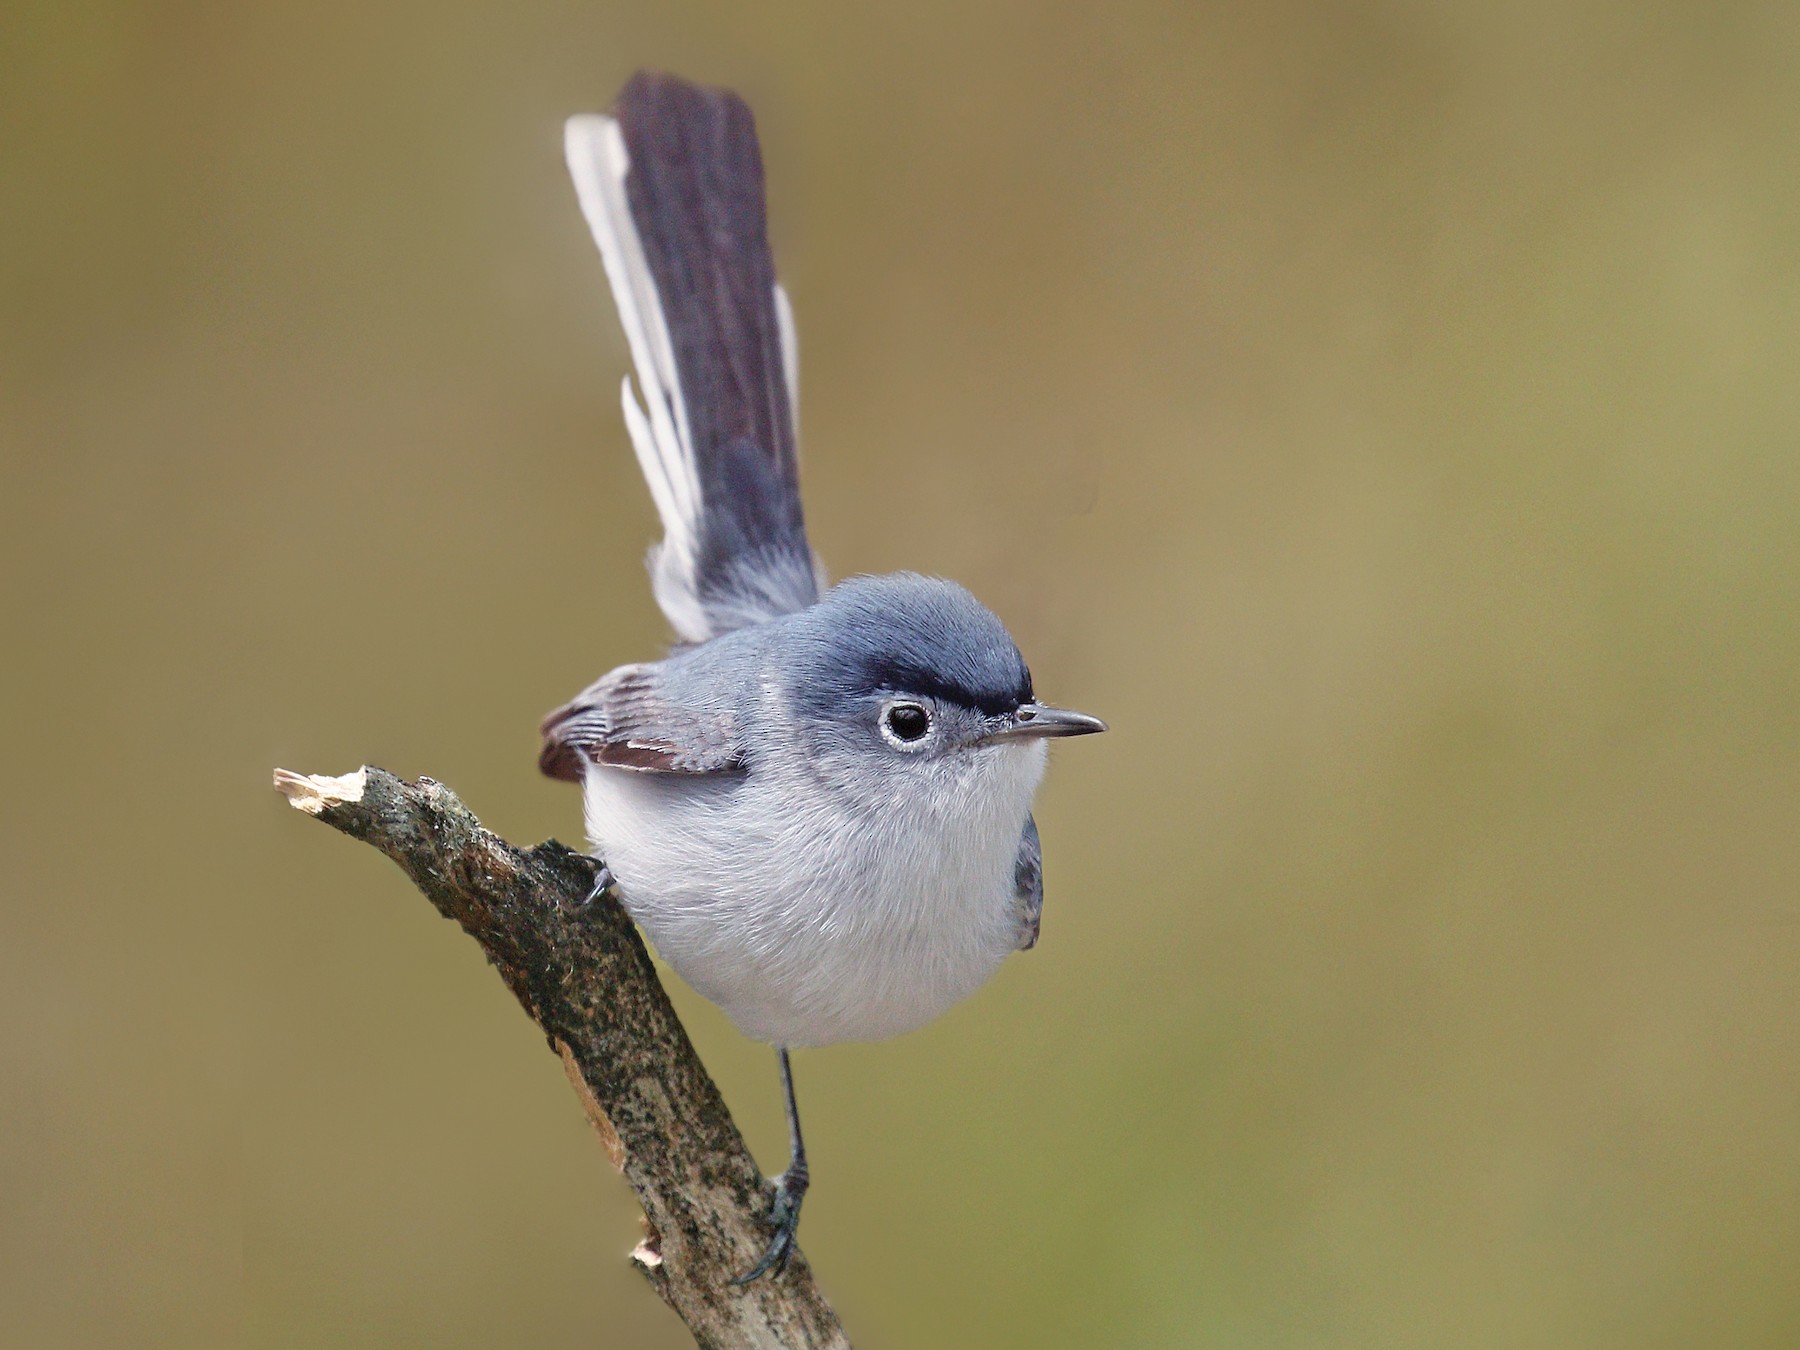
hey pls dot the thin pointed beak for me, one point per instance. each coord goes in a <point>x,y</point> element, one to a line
<point>1034,721</point>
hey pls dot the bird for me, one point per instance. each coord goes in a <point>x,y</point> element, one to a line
<point>817,805</point>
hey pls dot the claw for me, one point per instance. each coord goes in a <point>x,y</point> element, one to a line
<point>784,1218</point>
<point>790,1187</point>
<point>604,881</point>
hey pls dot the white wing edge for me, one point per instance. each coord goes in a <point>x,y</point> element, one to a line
<point>594,147</point>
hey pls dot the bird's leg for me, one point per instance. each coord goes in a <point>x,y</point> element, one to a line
<point>604,881</point>
<point>790,1188</point>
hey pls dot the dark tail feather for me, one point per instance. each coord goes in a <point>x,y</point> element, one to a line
<point>695,189</point>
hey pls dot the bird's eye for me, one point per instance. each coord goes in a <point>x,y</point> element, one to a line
<point>906,722</point>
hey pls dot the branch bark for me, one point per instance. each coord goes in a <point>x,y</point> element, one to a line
<point>583,975</point>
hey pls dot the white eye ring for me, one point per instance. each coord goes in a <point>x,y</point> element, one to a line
<point>903,716</point>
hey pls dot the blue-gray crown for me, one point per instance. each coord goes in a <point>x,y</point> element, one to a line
<point>906,634</point>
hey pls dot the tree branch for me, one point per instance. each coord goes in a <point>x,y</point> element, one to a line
<point>583,975</point>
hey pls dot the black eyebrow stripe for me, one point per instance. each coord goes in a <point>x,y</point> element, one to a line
<point>905,677</point>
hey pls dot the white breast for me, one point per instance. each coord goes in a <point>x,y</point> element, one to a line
<point>811,916</point>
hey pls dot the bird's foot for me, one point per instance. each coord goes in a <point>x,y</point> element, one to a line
<point>784,1218</point>
<point>604,881</point>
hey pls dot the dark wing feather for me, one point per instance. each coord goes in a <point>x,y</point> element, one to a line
<point>624,720</point>
<point>1028,885</point>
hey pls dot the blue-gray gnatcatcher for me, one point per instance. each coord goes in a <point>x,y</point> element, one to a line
<point>819,805</point>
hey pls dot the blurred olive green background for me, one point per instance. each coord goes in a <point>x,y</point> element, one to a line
<point>1385,414</point>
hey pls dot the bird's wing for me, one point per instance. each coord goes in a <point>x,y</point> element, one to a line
<point>627,719</point>
<point>1028,885</point>
<point>672,188</point>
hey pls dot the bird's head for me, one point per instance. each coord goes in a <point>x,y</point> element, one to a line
<point>914,674</point>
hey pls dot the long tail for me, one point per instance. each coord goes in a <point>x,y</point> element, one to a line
<point>672,188</point>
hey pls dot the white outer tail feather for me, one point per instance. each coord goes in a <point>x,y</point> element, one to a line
<point>790,358</point>
<point>595,149</point>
